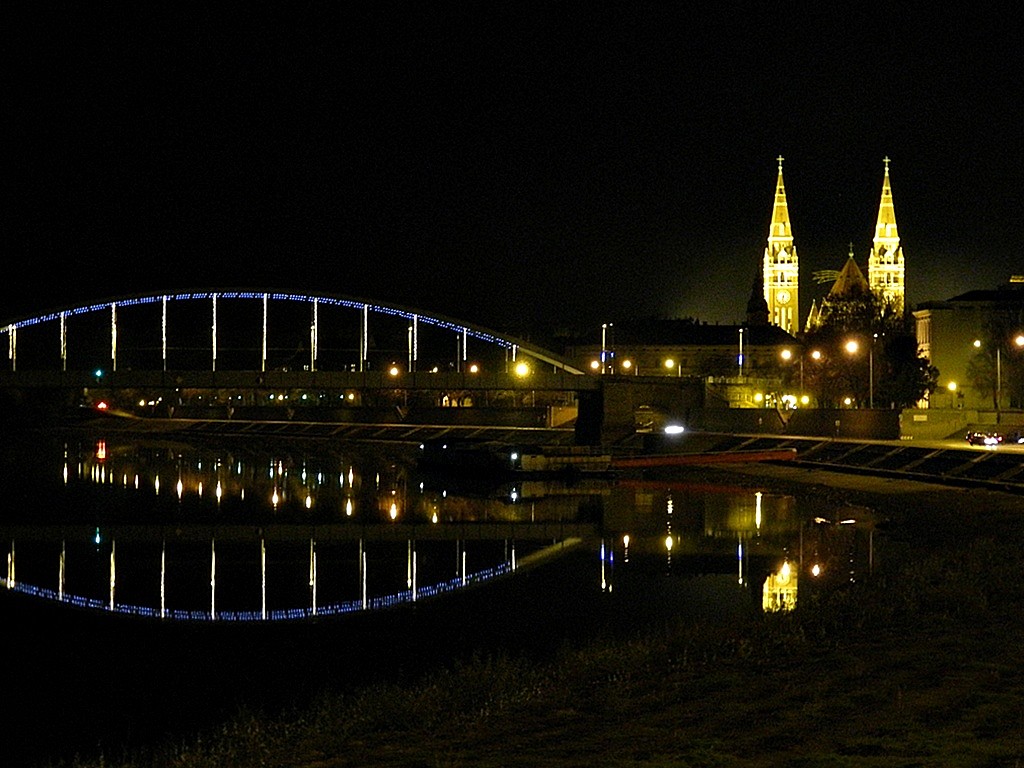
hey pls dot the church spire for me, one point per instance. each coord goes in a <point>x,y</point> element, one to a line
<point>780,229</point>
<point>885,264</point>
<point>757,307</point>
<point>781,268</point>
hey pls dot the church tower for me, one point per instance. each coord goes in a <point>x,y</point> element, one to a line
<point>885,264</point>
<point>781,270</point>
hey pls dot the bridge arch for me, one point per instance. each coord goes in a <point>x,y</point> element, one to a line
<point>118,330</point>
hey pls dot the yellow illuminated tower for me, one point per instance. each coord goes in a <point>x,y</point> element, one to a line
<point>781,269</point>
<point>885,264</point>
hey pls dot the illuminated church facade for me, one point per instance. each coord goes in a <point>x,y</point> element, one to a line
<point>886,274</point>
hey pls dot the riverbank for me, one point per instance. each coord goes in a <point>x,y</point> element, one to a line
<point>917,665</point>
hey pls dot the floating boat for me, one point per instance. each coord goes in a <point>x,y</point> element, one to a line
<point>580,461</point>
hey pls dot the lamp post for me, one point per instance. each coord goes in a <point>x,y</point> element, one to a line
<point>740,358</point>
<point>1018,340</point>
<point>787,355</point>
<point>852,346</point>
<point>604,346</point>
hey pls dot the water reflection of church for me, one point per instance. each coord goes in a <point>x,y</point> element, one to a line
<point>770,542</point>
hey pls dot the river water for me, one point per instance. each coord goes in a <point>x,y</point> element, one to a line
<point>156,586</point>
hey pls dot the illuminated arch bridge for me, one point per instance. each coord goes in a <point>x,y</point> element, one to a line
<point>261,331</point>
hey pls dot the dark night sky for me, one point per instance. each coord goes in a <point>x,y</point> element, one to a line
<point>565,164</point>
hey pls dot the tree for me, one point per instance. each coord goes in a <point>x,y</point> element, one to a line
<point>885,369</point>
<point>998,364</point>
<point>905,377</point>
<point>981,373</point>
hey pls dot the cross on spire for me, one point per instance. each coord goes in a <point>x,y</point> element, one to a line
<point>780,159</point>
<point>886,161</point>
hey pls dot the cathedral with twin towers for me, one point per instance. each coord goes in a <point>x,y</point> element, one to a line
<point>781,270</point>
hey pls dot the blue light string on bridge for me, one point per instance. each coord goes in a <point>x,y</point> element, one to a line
<point>384,309</point>
<point>285,614</point>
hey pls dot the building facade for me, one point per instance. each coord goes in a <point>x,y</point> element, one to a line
<point>973,341</point>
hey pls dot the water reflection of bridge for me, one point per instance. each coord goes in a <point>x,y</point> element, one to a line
<point>243,562</point>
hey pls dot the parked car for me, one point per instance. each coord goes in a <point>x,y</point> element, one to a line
<point>984,438</point>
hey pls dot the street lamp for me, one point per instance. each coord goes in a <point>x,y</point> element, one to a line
<point>604,346</point>
<point>740,357</point>
<point>852,346</point>
<point>1018,340</point>
<point>787,355</point>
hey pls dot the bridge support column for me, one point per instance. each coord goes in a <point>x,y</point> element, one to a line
<point>609,414</point>
<point>590,417</point>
